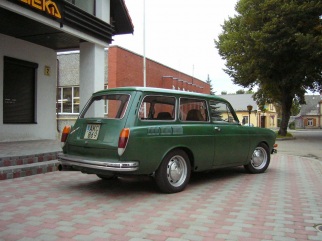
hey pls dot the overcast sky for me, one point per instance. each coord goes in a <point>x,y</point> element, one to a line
<point>180,34</point>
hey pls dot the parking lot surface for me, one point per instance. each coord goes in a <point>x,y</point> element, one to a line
<point>282,204</point>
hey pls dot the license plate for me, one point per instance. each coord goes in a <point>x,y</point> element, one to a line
<point>92,131</point>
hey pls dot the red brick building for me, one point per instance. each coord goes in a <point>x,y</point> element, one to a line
<point>125,68</point>
<point>122,68</point>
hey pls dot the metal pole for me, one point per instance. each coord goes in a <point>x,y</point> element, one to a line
<point>248,118</point>
<point>144,58</point>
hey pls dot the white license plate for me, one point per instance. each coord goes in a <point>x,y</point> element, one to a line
<point>92,131</point>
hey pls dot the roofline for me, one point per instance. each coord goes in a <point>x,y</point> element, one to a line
<point>161,90</point>
<point>117,46</point>
<point>126,10</point>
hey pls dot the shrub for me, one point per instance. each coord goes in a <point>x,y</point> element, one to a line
<point>292,125</point>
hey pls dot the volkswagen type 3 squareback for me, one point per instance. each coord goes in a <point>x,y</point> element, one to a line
<point>164,133</point>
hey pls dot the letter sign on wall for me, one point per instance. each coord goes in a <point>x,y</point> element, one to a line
<point>48,6</point>
<point>47,70</point>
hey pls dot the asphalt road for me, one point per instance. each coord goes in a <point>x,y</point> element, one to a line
<point>306,143</point>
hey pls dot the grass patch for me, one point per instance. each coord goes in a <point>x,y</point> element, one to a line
<point>288,135</point>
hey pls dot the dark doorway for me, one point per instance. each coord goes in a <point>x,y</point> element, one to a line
<point>263,121</point>
<point>19,91</point>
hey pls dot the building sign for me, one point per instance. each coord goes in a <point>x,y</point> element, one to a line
<point>47,6</point>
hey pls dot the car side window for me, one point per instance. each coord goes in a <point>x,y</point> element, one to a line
<point>193,110</point>
<point>157,107</point>
<point>220,112</point>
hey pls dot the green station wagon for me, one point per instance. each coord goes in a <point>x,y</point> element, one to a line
<point>163,133</point>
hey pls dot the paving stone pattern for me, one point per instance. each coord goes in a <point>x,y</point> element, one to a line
<point>282,204</point>
<point>26,158</point>
<point>21,166</point>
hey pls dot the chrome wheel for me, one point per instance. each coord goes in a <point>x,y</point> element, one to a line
<point>259,158</point>
<point>173,173</point>
<point>176,171</point>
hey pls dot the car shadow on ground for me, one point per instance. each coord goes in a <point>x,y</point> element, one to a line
<point>146,184</point>
<point>200,178</point>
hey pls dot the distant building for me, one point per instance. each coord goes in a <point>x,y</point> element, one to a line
<point>310,116</point>
<point>258,118</point>
<point>122,68</point>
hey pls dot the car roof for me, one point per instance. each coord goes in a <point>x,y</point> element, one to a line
<point>161,91</point>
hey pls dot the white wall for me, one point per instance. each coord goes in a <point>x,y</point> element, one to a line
<point>91,67</point>
<point>46,91</point>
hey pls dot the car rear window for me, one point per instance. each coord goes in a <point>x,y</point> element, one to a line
<point>111,106</point>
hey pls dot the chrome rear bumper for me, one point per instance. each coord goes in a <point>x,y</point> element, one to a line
<point>69,161</point>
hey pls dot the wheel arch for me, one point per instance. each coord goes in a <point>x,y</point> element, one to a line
<point>187,151</point>
<point>265,143</point>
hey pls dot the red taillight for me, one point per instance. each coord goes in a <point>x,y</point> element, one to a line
<point>123,139</point>
<point>65,133</point>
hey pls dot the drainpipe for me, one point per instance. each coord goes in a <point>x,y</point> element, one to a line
<point>57,84</point>
<point>320,109</point>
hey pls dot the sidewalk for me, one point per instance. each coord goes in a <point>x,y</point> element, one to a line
<point>284,203</point>
<point>24,148</point>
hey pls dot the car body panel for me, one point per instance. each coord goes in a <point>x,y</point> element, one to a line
<point>209,143</point>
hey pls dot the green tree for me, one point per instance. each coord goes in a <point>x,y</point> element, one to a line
<point>296,107</point>
<point>208,81</point>
<point>295,110</point>
<point>277,46</point>
<point>240,92</point>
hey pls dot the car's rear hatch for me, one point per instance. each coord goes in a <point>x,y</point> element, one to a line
<point>95,135</point>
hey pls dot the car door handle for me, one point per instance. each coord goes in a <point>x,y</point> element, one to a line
<point>217,129</point>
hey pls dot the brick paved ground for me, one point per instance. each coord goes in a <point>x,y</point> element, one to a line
<point>282,204</point>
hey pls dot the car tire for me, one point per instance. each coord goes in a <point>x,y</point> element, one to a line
<point>260,159</point>
<point>107,176</point>
<point>174,172</point>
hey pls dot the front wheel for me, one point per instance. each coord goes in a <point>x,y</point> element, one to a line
<point>260,159</point>
<point>174,172</point>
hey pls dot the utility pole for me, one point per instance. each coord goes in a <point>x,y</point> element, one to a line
<point>144,58</point>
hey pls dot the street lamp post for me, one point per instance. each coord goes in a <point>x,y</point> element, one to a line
<point>249,108</point>
<point>255,112</point>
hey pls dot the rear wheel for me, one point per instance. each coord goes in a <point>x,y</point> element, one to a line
<point>174,172</point>
<point>260,159</point>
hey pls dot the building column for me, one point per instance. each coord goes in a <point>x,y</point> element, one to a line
<point>92,61</point>
<point>92,67</point>
<point>103,10</point>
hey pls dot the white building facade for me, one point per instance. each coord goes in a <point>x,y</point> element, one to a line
<point>31,34</point>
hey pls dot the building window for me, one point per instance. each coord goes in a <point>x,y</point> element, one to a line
<point>19,91</point>
<point>86,5</point>
<point>68,100</point>
<point>245,120</point>
<point>309,122</point>
<point>272,120</point>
